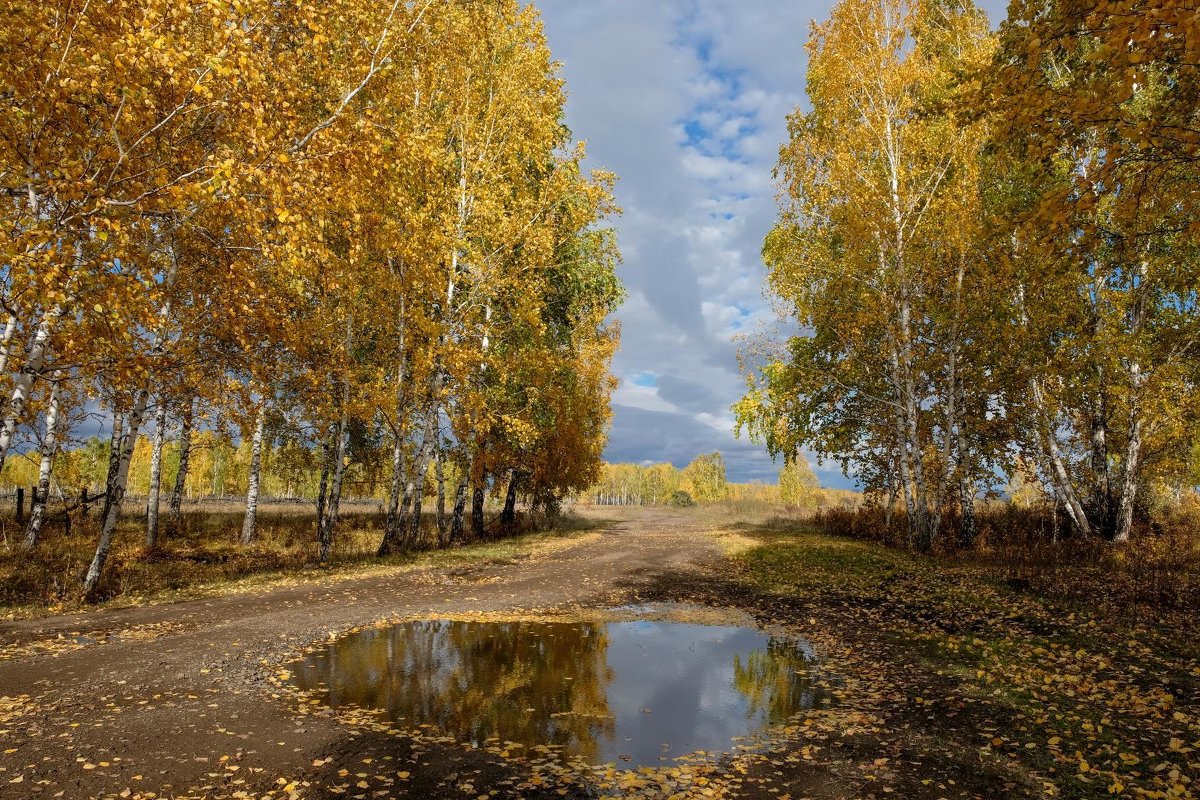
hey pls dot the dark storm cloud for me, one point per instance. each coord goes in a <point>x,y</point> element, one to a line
<point>688,395</point>
<point>678,438</point>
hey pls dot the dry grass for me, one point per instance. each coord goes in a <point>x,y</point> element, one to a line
<point>205,555</point>
<point>1159,567</point>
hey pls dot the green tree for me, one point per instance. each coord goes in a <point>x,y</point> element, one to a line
<point>798,484</point>
<point>704,478</point>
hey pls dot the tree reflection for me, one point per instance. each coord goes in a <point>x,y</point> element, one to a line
<point>640,692</point>
<point>533,683</point>
<point>777,682</point>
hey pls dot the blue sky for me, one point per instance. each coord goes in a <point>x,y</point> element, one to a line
<point>686,100</point>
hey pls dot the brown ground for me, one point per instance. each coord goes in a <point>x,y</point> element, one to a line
<point>184,700</point>
<point>174,700</point>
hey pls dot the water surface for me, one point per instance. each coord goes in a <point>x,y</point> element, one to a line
<point>635,692</point>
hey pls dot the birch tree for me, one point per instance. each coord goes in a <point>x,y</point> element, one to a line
<point>870,179</point>
<point>1094,97</point>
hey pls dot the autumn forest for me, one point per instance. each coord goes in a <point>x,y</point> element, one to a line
<point>991,242</point>
<point>237,215</point>
<point>311,362</point>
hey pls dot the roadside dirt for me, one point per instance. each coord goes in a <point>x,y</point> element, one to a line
<point>174,700</point>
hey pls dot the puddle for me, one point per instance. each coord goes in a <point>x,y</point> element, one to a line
<point>635,692</point>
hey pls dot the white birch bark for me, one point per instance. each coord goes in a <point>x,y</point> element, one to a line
<point>1133,453</point>
<point>439,468</point>
<point>428,443</point>
<point>108,526</point>
<point>256,441</point>
<point>327,448</point>
<point>10,329</point>
<point>477,499</point>
<point>418,499</point>
<point>37,514</point>
<point>1133,447</point>
<point>1062,479</point>
<point>181,475</point>
<point>329,523</point>
<point>390,525</point>
<point>966,482</point>
<point>460,506</point>
<point>156,452</point>
<point>902,455</point>
<point>116,445</point>
<point>35,362</point>
<point>951,424</point>
<point>407,524</point>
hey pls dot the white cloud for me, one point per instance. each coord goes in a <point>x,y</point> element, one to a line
<point>686,100</point>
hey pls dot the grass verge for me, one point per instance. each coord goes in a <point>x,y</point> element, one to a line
<point>1075,699</point>
<point>205,558</point>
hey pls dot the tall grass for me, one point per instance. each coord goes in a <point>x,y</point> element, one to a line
<point>1032,547</point>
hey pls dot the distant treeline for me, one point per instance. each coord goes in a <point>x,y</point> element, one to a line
<point>703,481</point>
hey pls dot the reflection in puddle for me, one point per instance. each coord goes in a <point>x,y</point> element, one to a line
<point>637,693</point>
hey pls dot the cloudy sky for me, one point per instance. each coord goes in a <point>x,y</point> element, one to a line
<point>686,100</point>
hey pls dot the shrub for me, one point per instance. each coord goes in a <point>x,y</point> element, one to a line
<point>682,499</point>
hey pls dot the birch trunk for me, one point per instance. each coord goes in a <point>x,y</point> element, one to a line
<point>949,439</point>
<point>893,494</point>
<point>115,440</point>
<point>250,522</point>
<point>185,452</point>
<point>1062,480</point>
<point>407,526</point>
<point>10,328</point>
<point>430,445</point>
<point>477,497</point>
<point>418,497</point>
<point>1102,499</point>
<point>388,547</point>
<point>390,528</point>
<point>329,523</point>
<point>509,516</point>
<point>49,443</point>
<point>116,448</point>
<point>390,525</point>
<point>922,524</point>
<point>966,488</point>
<point>902,352</point>
<point>112,513</point>
<point>327,526</point>
<point>1133,447</point>
<point>327,448</point>
<point>902,455</point>
<point>460,506</point>
<point>35,362</point>
<point>160,428</point>
<point>954,418</point>
<point>439,467</point>
<point>1133,452</point>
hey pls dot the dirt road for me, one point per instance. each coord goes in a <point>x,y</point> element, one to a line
<point>173,700</point>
